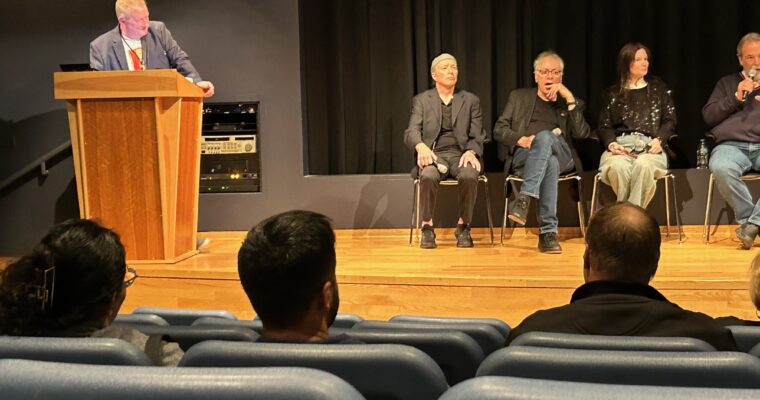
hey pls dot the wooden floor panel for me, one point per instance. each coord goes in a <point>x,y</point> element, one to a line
<point>380,275</point>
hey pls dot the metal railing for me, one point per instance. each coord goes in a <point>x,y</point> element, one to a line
<point>40,163</point>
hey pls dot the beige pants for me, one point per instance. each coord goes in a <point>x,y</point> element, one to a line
<point>633,178</point>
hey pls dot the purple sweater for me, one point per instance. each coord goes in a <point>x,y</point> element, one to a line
<point>731,119</point>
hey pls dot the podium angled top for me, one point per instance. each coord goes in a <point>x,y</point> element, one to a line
<point>123,84</point>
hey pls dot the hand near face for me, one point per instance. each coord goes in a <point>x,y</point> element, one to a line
<point>561,90</point>
<point>745,86</point>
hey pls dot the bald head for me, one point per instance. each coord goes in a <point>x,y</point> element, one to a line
<point>623,243</point>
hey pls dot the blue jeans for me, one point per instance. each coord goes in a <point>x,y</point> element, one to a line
<point>728,162</point>
<point>540,166</point>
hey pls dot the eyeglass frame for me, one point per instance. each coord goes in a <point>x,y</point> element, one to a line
<point>129,282</point>
<point>548,72</point>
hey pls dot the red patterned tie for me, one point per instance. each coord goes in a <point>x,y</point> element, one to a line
<point>135,60</point>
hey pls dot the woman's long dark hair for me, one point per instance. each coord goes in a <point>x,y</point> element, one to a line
<point>625,57</point>
<point>89,264</point>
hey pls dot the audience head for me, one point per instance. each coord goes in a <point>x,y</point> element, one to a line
<point>632,63</point>
<point>622,243</point>
<point>133,18</point>
<point>548,68</point>
<point>748,51</point>
<point>287,269</point>
<point>444,71</point>
<point>71,283</point>
<point>754,282</point>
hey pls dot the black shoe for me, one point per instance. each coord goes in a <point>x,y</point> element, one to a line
<point>519,210</point>
<point>746,234</point>
<point>428,237</point>
<point>463,236</point>
<point>548,243</point>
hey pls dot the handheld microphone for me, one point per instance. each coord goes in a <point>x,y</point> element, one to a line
<point>442,168</point>
<point>751,74</point>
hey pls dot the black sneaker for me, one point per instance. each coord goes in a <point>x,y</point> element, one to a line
<point>462,234</point>
<point>428,237</point>
<point>746,234</point>
<point>519,211</point>
<point>548,243</point>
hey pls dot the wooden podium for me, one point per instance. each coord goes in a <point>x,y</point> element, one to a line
<point>135,137</point>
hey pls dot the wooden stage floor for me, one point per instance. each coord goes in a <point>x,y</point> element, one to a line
<point>380,275</point>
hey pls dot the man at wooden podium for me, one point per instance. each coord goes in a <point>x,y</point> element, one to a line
<point>138,43</point>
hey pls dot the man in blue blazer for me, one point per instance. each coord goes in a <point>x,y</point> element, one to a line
<point>138,43</point>
<point>446,131</point>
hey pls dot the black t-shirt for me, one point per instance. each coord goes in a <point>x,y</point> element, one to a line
<point>544,117</point>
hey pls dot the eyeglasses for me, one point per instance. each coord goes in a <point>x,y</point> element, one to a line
<point>130,277</point>
<point>549,72</point>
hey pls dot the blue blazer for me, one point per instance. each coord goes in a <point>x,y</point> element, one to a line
<point>160,51</point>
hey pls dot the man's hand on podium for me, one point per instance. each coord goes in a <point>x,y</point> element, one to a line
<point>208,88</point>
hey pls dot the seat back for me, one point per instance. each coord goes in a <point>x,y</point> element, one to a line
<point>343,321</point>
<point>500,325</point>
<point>22,379</point>
<point>486,335</point>
<point>101,351</point>
<point>697,369</point>
<point>178,316</point>
<point>510,388</point>
<point>187,336</point>
<point>381,371</point>
<point>140,319</point>
<point>254,325</point>
<point>746,337</point>
<point>455,352</point>
<point>603,342</point>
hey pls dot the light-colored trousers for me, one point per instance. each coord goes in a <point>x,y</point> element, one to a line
<point>633,179</point>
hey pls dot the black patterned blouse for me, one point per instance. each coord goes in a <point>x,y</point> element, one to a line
<point>649,110</point>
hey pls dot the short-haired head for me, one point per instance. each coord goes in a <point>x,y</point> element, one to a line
<point>622,243</point>
<point>750,37</point>
<point>547,53</point>
<point>754,281</point>
<point>124,7</point>
<point>283,264</point>
<point>439,59</point>
<point>88,280</point>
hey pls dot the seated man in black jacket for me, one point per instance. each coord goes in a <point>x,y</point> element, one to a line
<point>287,268</point>
<point>622,252</point>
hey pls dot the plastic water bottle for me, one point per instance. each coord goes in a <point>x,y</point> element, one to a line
<point>702,155</point>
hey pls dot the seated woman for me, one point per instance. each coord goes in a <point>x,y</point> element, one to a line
<point>636,120</point>
<point>72,284</point>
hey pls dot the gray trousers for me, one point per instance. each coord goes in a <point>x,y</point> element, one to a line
<point>633,178</point>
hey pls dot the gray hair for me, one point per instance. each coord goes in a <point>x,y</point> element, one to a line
<point>123,7</point>
<point>750,37</point>
<point>437,60</point>
<point>548,53</point>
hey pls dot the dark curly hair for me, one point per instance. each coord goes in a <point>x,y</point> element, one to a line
<point>89,263</point>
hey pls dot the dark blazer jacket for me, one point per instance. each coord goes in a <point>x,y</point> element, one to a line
<point>466,120</point>
<point>160,51</point>
<point>514,121</point>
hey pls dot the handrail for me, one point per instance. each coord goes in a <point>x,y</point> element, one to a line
<point>40,163</point>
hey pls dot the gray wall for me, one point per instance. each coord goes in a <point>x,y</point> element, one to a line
<point>250,50</point>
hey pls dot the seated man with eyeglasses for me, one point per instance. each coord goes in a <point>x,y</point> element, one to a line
<point>72,284</point>
<point>535,134</point>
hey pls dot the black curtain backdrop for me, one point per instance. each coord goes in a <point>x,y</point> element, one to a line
<point>363,60</point>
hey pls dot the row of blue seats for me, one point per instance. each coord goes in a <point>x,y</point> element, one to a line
<point>25,379</point>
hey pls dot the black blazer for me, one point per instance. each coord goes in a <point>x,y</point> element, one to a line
<point>514,121</point>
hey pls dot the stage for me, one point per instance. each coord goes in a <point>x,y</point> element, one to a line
<point>380,275</point>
